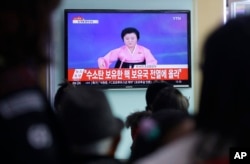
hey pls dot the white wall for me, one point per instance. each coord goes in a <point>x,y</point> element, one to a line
<point>123,102</point>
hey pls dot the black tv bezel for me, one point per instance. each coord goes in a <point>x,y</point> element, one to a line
<point>184,84</point>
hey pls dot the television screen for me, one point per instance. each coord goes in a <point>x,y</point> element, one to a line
<point>127,48</point>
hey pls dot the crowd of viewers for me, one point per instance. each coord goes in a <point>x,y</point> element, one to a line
<point>81,127</point>
<point>164,102</point>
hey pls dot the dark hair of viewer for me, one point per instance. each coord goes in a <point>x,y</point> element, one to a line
<point>170,98</point>
<point>152,90</point>
<point>133,120</point>
<point>60,93</point>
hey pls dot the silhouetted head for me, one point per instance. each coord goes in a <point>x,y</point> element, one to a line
<point>133,120</point>
<point>224,102</point>
<point>87,117</point>
<point>152,91</point>
<point>170,98</point>
<point>60,93</point>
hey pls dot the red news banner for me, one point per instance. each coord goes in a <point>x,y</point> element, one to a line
<point>127,74</point>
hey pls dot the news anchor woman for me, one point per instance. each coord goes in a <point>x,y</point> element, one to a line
<point>129,54</point>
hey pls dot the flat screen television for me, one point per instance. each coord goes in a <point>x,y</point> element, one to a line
<point>162,49</point>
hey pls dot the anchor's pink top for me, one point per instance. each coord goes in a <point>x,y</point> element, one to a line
<point>139,54</point>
